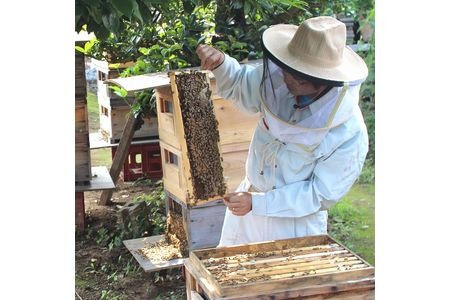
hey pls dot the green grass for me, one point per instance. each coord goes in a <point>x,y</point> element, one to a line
<point>101,157</point>
<point>352,221</point>
<point>93,115</point>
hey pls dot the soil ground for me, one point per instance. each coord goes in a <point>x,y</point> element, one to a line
<point>115,274</point>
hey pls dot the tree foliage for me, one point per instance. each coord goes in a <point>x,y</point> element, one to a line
<point>159,35</point>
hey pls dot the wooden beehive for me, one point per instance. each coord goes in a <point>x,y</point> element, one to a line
<point>113,109</point>
<point>316,267</point>
<point>113,120</point>
<point>235,132</point>
<point>107,71</point>
<point>200,225</point>
<point>82,151</point>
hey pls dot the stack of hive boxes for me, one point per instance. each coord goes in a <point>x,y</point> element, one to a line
<point>143,159</point>
<point>82,151</point>
<point>202,218</point>
<point>113,109</point>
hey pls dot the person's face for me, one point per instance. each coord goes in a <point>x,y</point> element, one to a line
<point>298,87</point>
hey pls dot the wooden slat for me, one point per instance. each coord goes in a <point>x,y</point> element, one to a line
<point>195,296</point>
<point>300,282</point>
<point>96,141</point>
<point>201,281</point>
<point>289,266</point>
<point>173,177</point>
<point>263,246</point>
<point>234,125</point>
<point>155,80</point>
<point>279,260</point>
<point>235,147</point>
<point>333,240</point>
<point>116,123</point>
<point>205,224</point>
<point>363,289</point>
<point>82,154</point>
<point>203,276</point>
<point>287,271</point>
<point>119,157</point>
<point>178,118</point>
<point>101,180</point>
<point>279,253</point>
<point>148,265</point>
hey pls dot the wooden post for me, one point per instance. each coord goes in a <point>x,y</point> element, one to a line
<point>119,157</point>
<point>79,210</point>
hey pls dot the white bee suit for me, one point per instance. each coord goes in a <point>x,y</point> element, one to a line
<point>300,162</point>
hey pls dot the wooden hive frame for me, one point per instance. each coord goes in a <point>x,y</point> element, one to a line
<point>184,188</point>
<point>318,267</point>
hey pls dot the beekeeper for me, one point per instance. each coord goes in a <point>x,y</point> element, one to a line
<point>310,142</point>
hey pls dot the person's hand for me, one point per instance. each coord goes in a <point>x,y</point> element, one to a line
<point>239,203</point>
<point>210,57</point>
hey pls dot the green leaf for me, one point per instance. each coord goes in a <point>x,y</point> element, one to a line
<point>119,91</point>
<point>114,66</point>
<point>80,49</point>
<point>125,7</point>
<point>136,12</point>
<point>144,51</point>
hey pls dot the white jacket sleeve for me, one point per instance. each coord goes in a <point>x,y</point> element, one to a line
<point>332,178</point>
<point>239,83</point>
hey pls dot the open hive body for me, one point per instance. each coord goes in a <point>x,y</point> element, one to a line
<point>315,267</point>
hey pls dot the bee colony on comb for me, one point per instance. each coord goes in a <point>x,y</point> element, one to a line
<point>177,106</point>
<point>311,266</point>
<point>203,165</point>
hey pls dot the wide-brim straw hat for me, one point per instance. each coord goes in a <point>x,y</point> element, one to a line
<point>316,48</point>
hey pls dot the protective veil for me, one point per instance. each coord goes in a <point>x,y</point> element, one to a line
<point>309,130</point>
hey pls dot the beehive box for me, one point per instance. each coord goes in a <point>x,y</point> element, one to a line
<point>113,109</point>
<point>113,120</point>
<point>235,132</point>
<point>194,228</point>
<point>82,151</point>
<point>107,71</point>
<point>316,267</point>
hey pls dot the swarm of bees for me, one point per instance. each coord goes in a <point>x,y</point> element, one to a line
<point>175,233</point>
<point>201,135</point>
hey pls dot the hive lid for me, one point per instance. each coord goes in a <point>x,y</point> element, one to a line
<point>154,80</point>
<point>147,262</point>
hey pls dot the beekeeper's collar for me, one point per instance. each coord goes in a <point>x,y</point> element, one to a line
<point>331,110</point>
